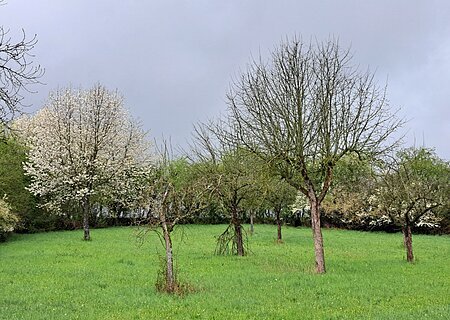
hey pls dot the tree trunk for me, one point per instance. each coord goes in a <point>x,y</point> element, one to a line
<point>317,236</point>
<point>86,212</point>
<point>252,228</point>
<point>239,241</point>
<point>278,224</point>
<point>407,239</point>
<point>237,231</point>
<point>170,277</point>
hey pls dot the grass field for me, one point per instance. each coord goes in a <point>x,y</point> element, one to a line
<point>58,276</point>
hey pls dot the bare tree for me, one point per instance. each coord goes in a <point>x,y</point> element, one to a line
<point>303,112</point>
<point>17,73</point>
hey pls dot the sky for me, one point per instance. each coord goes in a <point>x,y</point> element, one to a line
<point>173,61</point>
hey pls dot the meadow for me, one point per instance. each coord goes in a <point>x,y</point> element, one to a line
<point>57,275</point>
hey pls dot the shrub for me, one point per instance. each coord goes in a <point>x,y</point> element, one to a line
<point>8,220</point>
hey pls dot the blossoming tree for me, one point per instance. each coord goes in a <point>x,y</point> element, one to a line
<point>413,190</point>
<point>82,146</point>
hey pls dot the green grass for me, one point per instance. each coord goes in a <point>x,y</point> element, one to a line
<point>58,276</point>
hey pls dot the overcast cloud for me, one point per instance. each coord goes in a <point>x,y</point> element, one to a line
<point>173,60</point>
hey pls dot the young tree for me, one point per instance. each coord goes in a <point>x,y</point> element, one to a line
<point>279,196</point>
<point>17,73</point>
<point>303,112</point>
<point>414,186</point>
<point>81,145</point>
<point>236,173</point>
<point>175,192</point>
<point>236,181</point>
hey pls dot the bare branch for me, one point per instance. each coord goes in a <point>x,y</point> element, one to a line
<point>17,73</point>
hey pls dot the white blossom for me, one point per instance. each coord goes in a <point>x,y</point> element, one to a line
<point>83,145</point>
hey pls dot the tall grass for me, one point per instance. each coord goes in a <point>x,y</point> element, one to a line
<point>58,276</point>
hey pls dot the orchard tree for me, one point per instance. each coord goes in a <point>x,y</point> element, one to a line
<point>302,112</point>
<point>279,197</point>
<point>236,173</point>
<point>349,199</point>
<point>17,73</point>
<point>175,192</point>
<point>262,184</point>
<point>236,179</point>
<point>82,145</point>
<point>414,188</point>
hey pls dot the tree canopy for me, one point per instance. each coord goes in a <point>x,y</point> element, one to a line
<point>414,189</point>
<point>83,147</point>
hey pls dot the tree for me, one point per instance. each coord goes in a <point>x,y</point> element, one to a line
<point>236,182</point>
<point>12,178</point>
<point>82,145</point>
<point>302,113</point>
<point>414,186</point>
<point>279,196</point>
<point>175,192</point>
<point>17,73</point>
<point>13,183</point>
<point>236,174</point>
<point>348,202</point>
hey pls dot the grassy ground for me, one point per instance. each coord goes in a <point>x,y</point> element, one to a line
<point>58,276</point>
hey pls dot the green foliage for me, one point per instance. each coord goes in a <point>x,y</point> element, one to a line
<point>177,187</point>
<point>12,179</point>
<point>414,188</point>
<point>13,183</point>
<point>279,194</point>
<point>348,200</point>
<point>57,276</point>
<point>240,180</point>
<point>174,193</point>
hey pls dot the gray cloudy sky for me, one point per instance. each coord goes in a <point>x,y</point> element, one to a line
<point>173,60</point>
